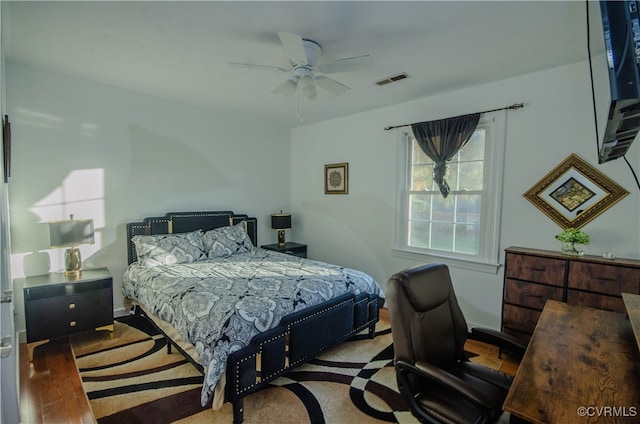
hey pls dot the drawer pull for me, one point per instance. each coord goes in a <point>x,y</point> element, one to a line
<point>537,296</point>
<point>72,306</point>
<point>605,279</point>
<point>530,268</point>
<point>72,324</point>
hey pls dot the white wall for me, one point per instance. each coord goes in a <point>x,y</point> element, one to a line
<point>357,229</point>
<point>117,156</point>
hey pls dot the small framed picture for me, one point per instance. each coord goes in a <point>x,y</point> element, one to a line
<point>336,178</point>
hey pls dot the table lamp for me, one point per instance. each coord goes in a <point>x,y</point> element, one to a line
<point>281,221</point>
<point>71,233</point>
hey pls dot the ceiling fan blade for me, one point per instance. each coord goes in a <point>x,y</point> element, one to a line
<point>346,65</point>
<point>288,88</point>
<point>262,67</point>
<point>294,47</point>
<point>331,85</point>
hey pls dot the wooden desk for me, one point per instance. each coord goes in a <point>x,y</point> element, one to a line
<point>632,303</point>
<point>582,365</point>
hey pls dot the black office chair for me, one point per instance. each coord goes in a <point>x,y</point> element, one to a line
<point>429,333</point>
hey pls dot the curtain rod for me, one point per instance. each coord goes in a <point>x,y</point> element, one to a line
<point>513,107</point>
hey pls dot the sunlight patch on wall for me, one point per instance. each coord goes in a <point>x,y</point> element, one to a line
<point>36,119</point>
<point>88,130</point>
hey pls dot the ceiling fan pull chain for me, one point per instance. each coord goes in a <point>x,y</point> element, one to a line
<point>300,104</point>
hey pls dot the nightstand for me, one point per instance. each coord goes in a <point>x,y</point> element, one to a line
<point>290,248</point>
<point>56,305</point>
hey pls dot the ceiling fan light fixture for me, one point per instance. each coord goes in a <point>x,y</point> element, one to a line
<point>311,94</point>
<point>308,86</point>
<point>288,88</point>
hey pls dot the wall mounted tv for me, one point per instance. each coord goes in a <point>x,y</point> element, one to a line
<point>614,44</point>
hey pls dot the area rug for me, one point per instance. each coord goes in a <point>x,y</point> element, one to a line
<point>132,379</point>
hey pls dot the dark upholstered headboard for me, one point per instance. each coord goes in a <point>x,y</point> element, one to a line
<point>184,222</point>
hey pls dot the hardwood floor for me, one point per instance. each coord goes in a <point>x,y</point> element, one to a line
<point>51,390</point>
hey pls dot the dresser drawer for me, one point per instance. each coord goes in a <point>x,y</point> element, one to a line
<point>522,337</point>
<point>608,279</point>
<point>594,300</point>
<point>536,269</point>
<point>530,294</point>
<point>521,319</point>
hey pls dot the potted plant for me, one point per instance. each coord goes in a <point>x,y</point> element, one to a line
<point>573,241</point>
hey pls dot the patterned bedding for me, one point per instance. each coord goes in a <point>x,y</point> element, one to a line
<point>219,304</point>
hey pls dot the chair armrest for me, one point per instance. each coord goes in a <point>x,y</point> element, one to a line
<point>441,378</point>
<point>504,341</point>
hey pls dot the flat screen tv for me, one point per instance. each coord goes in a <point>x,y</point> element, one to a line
<point>614,48</point>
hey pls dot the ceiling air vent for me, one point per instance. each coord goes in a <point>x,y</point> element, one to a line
<point>391,79</point>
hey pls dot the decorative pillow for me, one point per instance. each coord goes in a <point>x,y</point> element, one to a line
<point>168,249</point>
<point>225,241</point>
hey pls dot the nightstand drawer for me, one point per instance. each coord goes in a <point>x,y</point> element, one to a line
<point>55,290</point>
<point>59,316</point>
<point>57,305</point>
<point>302,253</point>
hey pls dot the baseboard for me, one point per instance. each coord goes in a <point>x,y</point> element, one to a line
<point>120,312</point>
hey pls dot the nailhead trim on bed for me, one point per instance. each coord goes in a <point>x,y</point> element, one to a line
<point>146,226</point>
<point>286,363</point>
<point>320,349</point>
<point>286,334</point>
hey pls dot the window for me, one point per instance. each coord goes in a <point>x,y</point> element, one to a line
<point>464,226</point>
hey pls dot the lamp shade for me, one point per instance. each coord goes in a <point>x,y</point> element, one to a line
<point>281,221</point>
<point>71,233</point>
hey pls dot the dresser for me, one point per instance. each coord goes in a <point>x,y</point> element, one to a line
<point>58,305</point>
<point>533,276</point>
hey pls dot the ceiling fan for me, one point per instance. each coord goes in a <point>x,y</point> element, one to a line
<point>305,73</point>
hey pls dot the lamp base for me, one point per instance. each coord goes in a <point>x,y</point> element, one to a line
<point>72,262</point>
<point>280,238</point>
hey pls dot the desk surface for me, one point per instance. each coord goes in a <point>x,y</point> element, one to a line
<point>581,365</point>
<point>632,304</point>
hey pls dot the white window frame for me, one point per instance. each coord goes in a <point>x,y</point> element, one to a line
<point>487,259</point>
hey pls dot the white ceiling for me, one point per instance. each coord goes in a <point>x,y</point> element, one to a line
<point>180,50</point>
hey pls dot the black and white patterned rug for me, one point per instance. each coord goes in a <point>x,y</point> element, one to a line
<point>132,379</point>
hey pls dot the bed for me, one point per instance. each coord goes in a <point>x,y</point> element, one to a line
<point>242,314</point>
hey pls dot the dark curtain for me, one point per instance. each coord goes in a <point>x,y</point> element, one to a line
<point>441,140</point>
